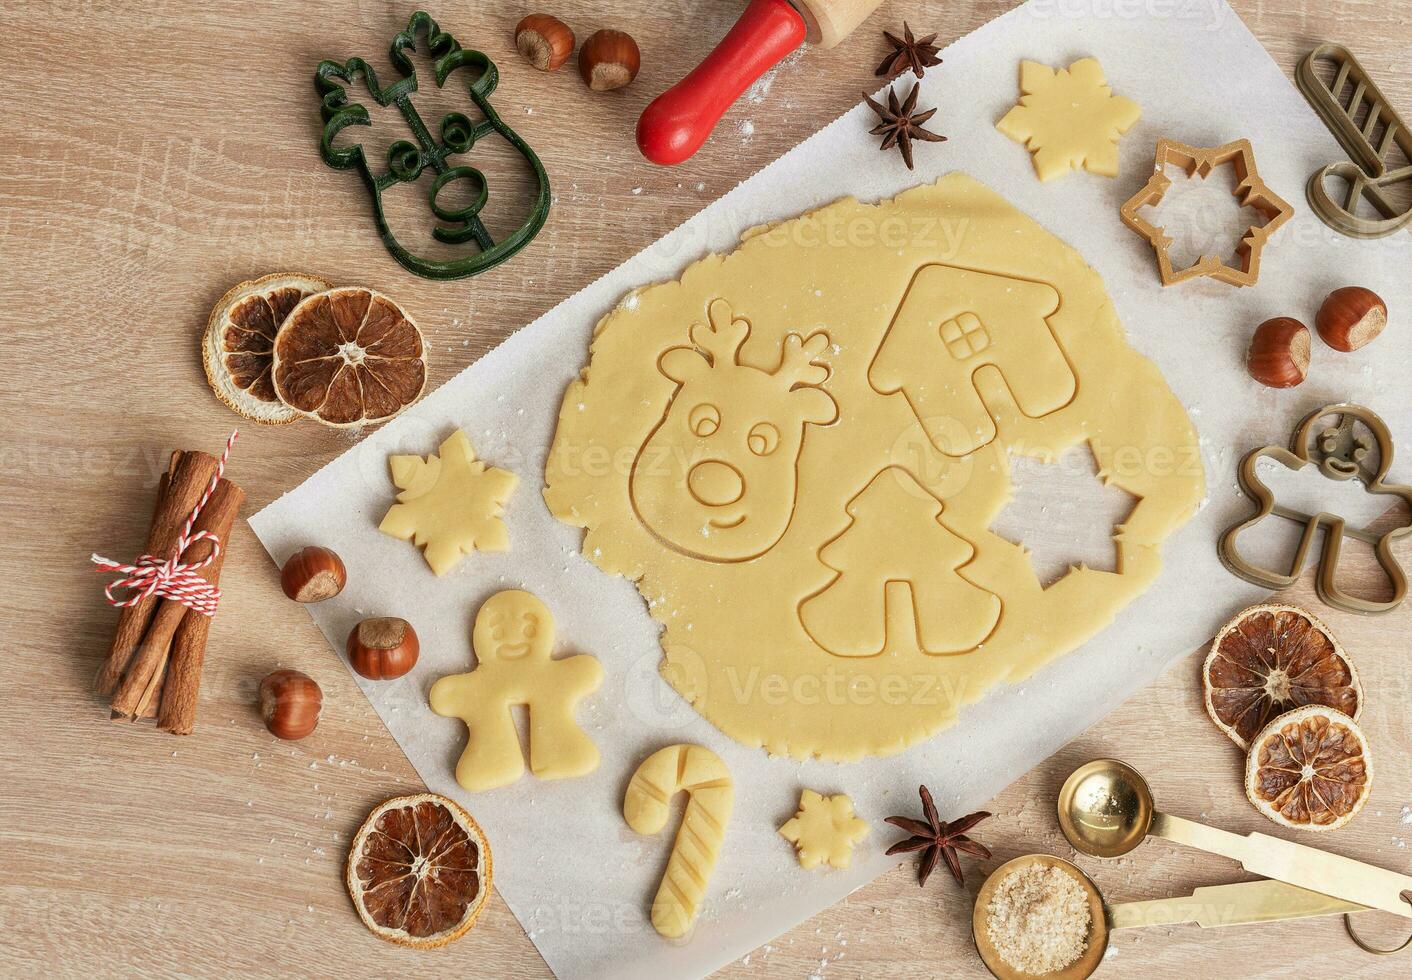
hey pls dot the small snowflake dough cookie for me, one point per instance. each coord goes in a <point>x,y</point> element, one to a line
<point>451,503</point>
<point>1069,118</point>
<point>824,829</point>
<point>513,638</point>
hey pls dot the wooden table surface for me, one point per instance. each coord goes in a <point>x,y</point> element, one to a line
<point>157,153</point>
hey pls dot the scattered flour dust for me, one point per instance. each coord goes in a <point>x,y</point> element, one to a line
<point>1039,919</point>
<point>757,93</point>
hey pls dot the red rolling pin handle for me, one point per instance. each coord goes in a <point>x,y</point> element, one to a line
<point>678,121</point>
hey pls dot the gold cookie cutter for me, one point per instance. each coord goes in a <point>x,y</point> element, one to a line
<point>1370,140</point>
<point>1250,191</point>
<point>1328,440</point>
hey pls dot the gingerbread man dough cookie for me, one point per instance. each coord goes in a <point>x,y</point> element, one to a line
<point>450,504</point>
<point>513,638</point>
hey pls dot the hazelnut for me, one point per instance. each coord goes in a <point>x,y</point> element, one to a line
<point>1279,353</point>
<point>290,702</point>
<point>1351,317</point>
<point>383,648</point>
<point>313,574</point>
<point>545,41</point>
<point>609,60</point>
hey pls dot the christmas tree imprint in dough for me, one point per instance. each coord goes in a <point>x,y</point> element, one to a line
<point>824,830</point>
<point>1069,118</point>
<point>958,329</point>
<point>451,503</point>
<point>717,477</point>
<point>513,638</point>
<point>895,552</point>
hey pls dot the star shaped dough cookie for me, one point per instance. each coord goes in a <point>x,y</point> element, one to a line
<point>451,503</point>
<point>824,829</point>
<point>1069,118</point>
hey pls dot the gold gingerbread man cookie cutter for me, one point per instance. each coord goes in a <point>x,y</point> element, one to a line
<point>1328,440</point>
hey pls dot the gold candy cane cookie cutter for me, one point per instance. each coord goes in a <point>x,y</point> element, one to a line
<point>1372,134</point>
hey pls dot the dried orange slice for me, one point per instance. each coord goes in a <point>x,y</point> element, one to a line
<point>419,871</point>
<point>1310,769</point>
<point>1271,659</point>
<point>237,349</point>
<point>349,356</point>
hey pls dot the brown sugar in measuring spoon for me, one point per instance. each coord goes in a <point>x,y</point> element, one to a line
<point>1244,903</point>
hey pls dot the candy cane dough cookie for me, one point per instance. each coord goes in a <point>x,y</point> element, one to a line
<point>702,775</point>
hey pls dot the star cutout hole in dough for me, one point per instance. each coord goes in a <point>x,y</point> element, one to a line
<point>1064,514</point>
<point>1069,118</point>
<point>824,830</point>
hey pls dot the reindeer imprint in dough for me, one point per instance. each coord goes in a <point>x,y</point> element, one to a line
<point>953,324</point>
<point>717,477</point>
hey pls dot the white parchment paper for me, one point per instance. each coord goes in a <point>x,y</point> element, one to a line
<point>576,877</point>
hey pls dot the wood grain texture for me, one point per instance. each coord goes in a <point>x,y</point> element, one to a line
<point>154,154</point>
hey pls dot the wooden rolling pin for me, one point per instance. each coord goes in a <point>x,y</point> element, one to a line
<point>679,120</point>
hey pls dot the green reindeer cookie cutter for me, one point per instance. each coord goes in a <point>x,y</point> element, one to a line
<point>407,160</point>
<point>1336,441</point>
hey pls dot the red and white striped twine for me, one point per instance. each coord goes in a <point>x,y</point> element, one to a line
<point>169,578</point>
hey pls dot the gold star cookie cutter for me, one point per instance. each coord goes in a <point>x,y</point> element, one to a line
<point>1250,191</point>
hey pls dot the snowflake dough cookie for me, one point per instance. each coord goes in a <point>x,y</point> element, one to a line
<point>451,503</point>
<point>824,829</point>
<point>1069,118</point>
<point>513,637</point>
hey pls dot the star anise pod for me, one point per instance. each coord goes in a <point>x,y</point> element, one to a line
<point>909,52</point>
<point>901,124</point>
<point>937,839</point>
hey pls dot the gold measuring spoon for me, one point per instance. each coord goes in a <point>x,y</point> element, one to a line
<point>1210,907</point>
<point>1105,809</point>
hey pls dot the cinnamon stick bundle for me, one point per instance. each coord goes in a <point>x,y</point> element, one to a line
<point>153,668</point>
<point>187,478</point>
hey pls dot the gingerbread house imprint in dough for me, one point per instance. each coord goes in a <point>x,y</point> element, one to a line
<point>954,326</point>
